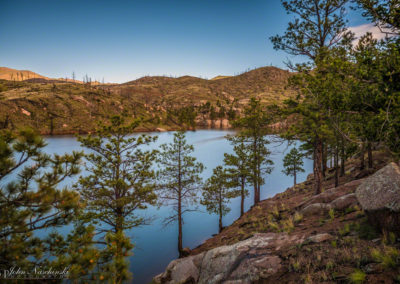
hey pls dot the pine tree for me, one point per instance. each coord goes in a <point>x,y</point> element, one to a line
<point>318,27</point>
<point>179,180</point>
<point>253,129</point>
<point>385,14</point>
<point>217,193</point>
<point>120,182</point>
<point>33,199</point>
<point>238,168</point>
<point>293,162</point>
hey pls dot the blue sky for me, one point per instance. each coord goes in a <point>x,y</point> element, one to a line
<point>124,40</point>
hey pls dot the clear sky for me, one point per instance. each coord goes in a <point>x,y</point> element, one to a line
<point>124,40</point>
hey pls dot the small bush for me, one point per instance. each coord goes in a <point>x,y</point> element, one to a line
<point>389,257</point>
<point>297,217</point>
<point>357,276</point>
<point>389,238</point>
<point>330,265</point>
<point>274,226</point>
<point>288,225</point>
<point>345,230</point>
<point>332,213</point>
<point>275,211</point>
<point>296,266</point>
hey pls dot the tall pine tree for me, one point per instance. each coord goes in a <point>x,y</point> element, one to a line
<point>179,180</point>
<point>237,167</point>
<point>253,130</point>
<point>32,199</point>
<point>292,163</point>
<point>120,182</point>
<point>217,193</point>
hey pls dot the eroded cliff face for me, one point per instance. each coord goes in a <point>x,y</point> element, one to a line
<point>297,237</point>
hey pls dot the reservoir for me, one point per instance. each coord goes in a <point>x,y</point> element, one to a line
<point>155,244</point>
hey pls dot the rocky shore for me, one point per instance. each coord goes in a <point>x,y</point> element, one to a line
<point>346,234</point>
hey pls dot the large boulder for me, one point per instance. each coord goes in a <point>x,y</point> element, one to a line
<point>379,196</point>
<point>244,262</point>
<point>182,270</point>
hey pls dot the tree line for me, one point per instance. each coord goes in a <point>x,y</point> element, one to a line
<point>348,100</point>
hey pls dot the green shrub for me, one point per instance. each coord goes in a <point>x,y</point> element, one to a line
<point>297,218</point>
<point>345,230</point>
<point>389,238</point>
<point>357,276</point>
<point>288,225</point>
<point>274,226</point>
<point>388,257</point>
<point>332,213</point>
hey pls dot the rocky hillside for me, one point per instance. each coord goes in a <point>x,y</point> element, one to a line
<point>297,237</point>
<point>59,107</point>
<point>18,75</point>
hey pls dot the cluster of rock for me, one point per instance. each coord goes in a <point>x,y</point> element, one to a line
<point>258,257</point>
<point>337,198</point>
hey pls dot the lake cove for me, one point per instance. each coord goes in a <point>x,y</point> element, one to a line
<point>155,244</point>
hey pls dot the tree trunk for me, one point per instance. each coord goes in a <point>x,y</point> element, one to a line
<point>336,165</point>
<point>370,161</point>
<point>343,158</point>
<point>324,159</point>
<point>255,176</point>
<point>51,126</point>
<point>119,253</point>
<point>294,174</point>
<point>5,125</point>
<point>180,246</point>
<point>317,186</point>
<point>242,198</point>
<point>220,212</point>
<point>362,160</point>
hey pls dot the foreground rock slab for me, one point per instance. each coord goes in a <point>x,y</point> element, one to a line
<point>244,262</point>
<point>379,196</point>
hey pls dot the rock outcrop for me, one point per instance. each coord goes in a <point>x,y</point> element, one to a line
<point>344,202</point>
<point>320,238</point>
<point>337,198</point>
<point>244,262</point>
<point>315,209</point>
<point>379,196</point>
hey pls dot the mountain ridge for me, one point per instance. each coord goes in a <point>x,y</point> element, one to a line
<point>54,106</point>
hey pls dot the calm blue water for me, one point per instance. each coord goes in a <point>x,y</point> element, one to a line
<point>156,245</point>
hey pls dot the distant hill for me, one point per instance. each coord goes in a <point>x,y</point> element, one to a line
<point>18,75</point>
<point>26,75</point>
<point>266,83</point>
<point>58,106</point>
